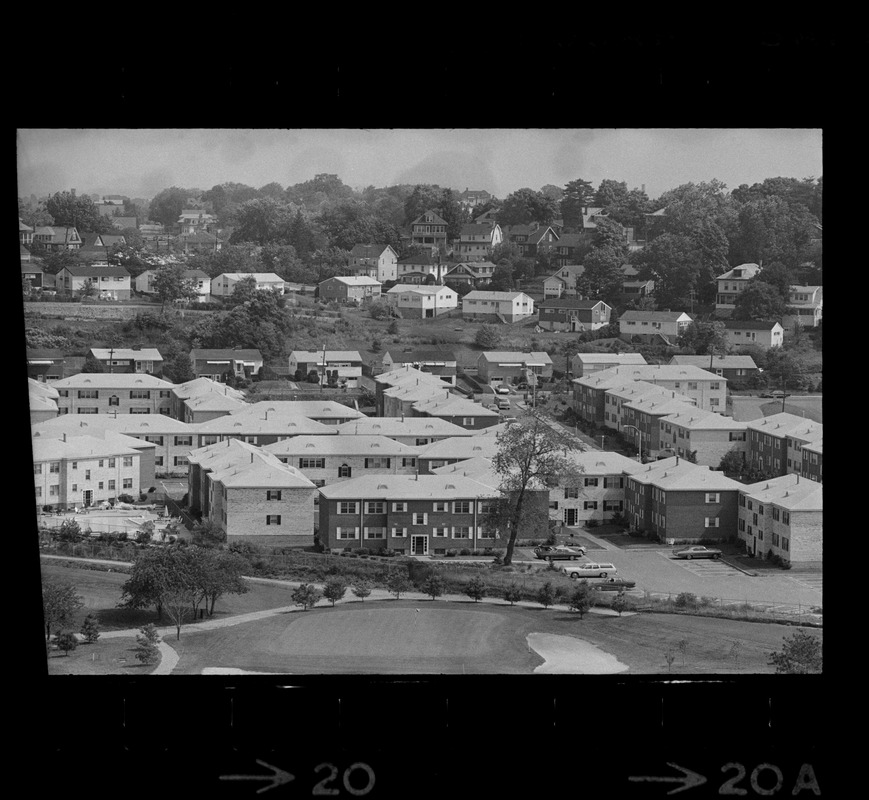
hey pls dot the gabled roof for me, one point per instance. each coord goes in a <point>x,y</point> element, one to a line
<point>746,270</point>
<point>474,229</point>
<point>610,358</point>
<point>460,447</point>
<point>787,491</point>
<point>362,445</point>
<point>503,296</point>
<point>369,250</point>
<point>720,362</point>
<point>307,356</point>
<point>435,219</point>
<point>353,280</point>
<point>142,354</point>
<point>419,288</point>
<point>417,427</point>
<point>87,271</point>
<point>408,487</point>
<point>425,258</point>
<point>500,356</point>
<point>314,409</point>
<point>786,424</point>
<point>750,324</point>
<point>259,277</point>
<point>211,354</point>
<point>110,380</point>
<point>418,356</point>
<point>603,462</point>
<point>653,316</point>
<point>567,302</point>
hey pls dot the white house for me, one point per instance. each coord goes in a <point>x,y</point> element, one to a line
<point>341,366</point>
<point>422,301</point>
<point>805,307</point>
<point>224,284</point>
<point>652,325</point>
<point>477,240</point>
<point>374,260</point>
<point>503,306</point>
<point>144,283</point>
<point>731,283</point>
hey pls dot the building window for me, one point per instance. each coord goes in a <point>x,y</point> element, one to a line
<point>399,533</point>
<point>140,410</point>
<point>408,462</point>
<point>87,474</point>
<point>273,519</point>
<point>467,420</point>
<point>180,461</point>
<point>377,463</point>
<point>128,483</point>
<point>487,506</point>
<point>420,519</point>
<point>591,481</point>
<point>312,463</point>
<point>440,506</point>
<point>344,471</point>
<point>158,461</point>
<point>786,517</point>
<point>711,522</point>
<point>111,486</point>
<point>375,533</point>
<point>348,507</point>
<point>273,494</point>
<point>571,493</point>
<point>100,485</point>
<point>462,532</point>
<point>590,505</point>
<point>399,507</point>
<point>114,400</point>
<point>182,441</point>
<point>462,507</point>
<point>713,497</point>
<point>54,490</point>
<point>375,507</point>
<point>88,394</point>
<point>347,533</point>
<point>54,466</point>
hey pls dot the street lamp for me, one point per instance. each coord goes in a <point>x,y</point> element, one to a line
<point>640,439</point>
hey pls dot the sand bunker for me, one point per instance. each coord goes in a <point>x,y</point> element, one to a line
<point>566,655</point>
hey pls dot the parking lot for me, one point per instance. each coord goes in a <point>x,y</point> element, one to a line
<point>704,567</point>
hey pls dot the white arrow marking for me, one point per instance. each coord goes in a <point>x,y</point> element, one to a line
<point>689,778</point>
<point>279,777</point>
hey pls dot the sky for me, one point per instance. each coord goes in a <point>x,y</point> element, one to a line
<point>142,162</point>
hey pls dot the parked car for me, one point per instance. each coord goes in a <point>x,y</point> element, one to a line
<point>778,394</point>
<point>559,552</point>
<point>503,390</point>
<point>503,404</point>
<point>697,551</point>
<point>613,584</point>
<point>590,570</point>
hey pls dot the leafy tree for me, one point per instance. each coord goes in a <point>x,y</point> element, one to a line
<point>433,586</point>
<point>512,593</point>
<point>524,206</point>
<point>705,338</point>
<point>530,457</point>
<point>335,589</point>
<point>147,641</point>
<point>451,212</point>
<point>170,285</point>
<point>611,234</point>
<point>392,327</point>
<point>88,288</point>
<point>673,263</point>
<point>206,533</point>
<point>54,262</point>
<point>36,216</point>
<point>219,573</point>
<point>577,194</point>
<point>66,641</point>
<point>580,600</point>
<point>552,192</point>
<point>628,209</point>
<point>69,531</point>
<point>424,197</point>
<point>609,193</point>
<point>273,190</point>
<point>502,278</point>
<point>778,275</point>
<point>379,309</point>
<point>784,369</point>
<point>262,220</point>
<point>602,278</point>
<point>759,300</point>
<point>768,229</point>
<point>669,657</point>
<point>688,206</point>
<point>476,588</point>
<point>487,337</point>
<point>398,583</point>
<point>166,206</point>
<point>800,654</point>
<point>682,646</point>
<point>315,192</point>
<point>178,368</point>
<point>230,258</point>
<point>362,588</point>
<point>306,596</point>
<point>90,629</point>
<point>620,602</point>
<point>546,595</point>
<point>733,462</point>
<point>76,211</point>
<point>59,605</point>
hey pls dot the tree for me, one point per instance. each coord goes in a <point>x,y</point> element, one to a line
<point>219,573</point>
<point>59,605</point>
<point>262,220</point>
<point>166,206</point>
<point>424,197</point>
<point>362,588</point>
<point>502,278</point>
<point>207,533</point>
<point>620,602</point>
<point>306,596</point>
<point>577,195</point>
<point>800,654</point>
<point>778,275</point>
<point>609,233</point>
<point>392,327</point>
<point>170,285</point>
<point>335,589</point>
<point>452,214</point>
<point>88,288</point>
<point>669,657</point>
<point>673,263</point>
<point>784,369</point>
<point>433,586</point>
<point>759,300</point>
<point>66,641</point>
<point>705,338</point>
<point>397,584</point>
<point>602,278</point>
<point>487,337</point>
<point>90,629</point>
<point>512,593</point>
<point>546,594</point>
<point>76,211</point>
<point>682,646</point>
<point>476,588</point>
<point>147,650</point>
<point>732,461</point>
<point>178,368</point>
<point>69,531</point>
<point>531,457</point>
<point>524,206</point>
<point>581,598</point>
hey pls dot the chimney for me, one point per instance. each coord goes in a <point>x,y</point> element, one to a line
<point>677,459</point>
<point>251,458</point>
<point>64,437</point>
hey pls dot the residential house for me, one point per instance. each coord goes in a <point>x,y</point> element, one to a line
<point>349,289</point>
<point>455,449</point>
<point>251,496</point>
<point>163,441</point>
<point>25,256</point>
<point>224,284</point>
<point>600,493</point>
<point>429,230</point>
<point>54,238</point>
<point>328,412</point>
<point>201,283</point>
<point>775,442</point>
<point>141,360</point>
<point>733,367</point>
<point>680,502</point>
<point>731,284</point>
<point>32,274</point>
<point>221,363</point>
<point>573,315</point>
<point>805,307</point>
<point>563,282</point>
<point>42,401</point>
<point>489,217</point>
<point>379,261</point>
<point>476,241</point>
<point>498,367</point>
<point>334,367</point>
<point>469,199</point>
<point>25,233</point>
<point>105,392</point>
<point>633,287</point>
<point>813,460</point>
<point>704,436</point>
<point>199,387</point>
<point>436,362</point>
<point>102,241</point>
<point>123,223</point>
<point>410,514</point>
<point>761,333</point>
<point>46,364</point>
<point>330,459</point>
<point>653,326</point>
<point>478,306</point>
<point>584,364</point>
<point>783,517</point>
<point>567,250</point>
<point>417,267</point>
<point>414,431</point>
<point>195,220</point>
<point>708,390</point>
<point>422,301</point>
<point>107,282</point>
<point>476,274</point>
<point>73,471</point>
<point>543,239</point>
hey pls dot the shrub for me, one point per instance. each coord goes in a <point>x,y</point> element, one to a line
<point>66,641</point>
<point>335,589</point>
<point>476,588</point>
<point>686,600</point>
<point>512,593</point>
<point>433,586</point>
<point>451,553</point>
<point>592,523</point>
<point>620,603</point>
<point>546,595</point>
<point>465,551</point>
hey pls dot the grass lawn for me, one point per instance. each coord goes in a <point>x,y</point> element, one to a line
<point>106,657</point>
<point>392,637</point>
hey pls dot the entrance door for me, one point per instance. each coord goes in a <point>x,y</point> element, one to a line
<point>419,545</point>
<point>87,497</point>
<point>570,517</point>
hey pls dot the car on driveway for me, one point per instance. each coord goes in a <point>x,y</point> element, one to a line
<point>503,390</point>
<point>613,584</point>
<point>559,552</point>
<point>697,551</point>
<point>589,570</point>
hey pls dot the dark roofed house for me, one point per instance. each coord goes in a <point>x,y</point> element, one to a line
<point>124,222</point>
<point>438,362</point>
<point>32,273</point>
<point>46,364</point>
<point>107,282</point>
<point>219,364</point>
<point>198,241</point>
<point>55,238</point>
<point>374,261</point>
<point>477,240</point>
<point>425,263</point>
<point>760,333</point>
<point>429,229</point>
<point>572,314</point>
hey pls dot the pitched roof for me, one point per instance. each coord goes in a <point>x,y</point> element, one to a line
<point>131,424</point>
<point>435,219</point>
<point>419,288</point>
<point>678,473</point>
<point>786,424</point>
<point>213,400</point>
<point>748,270</point>
<point>603,462</point>
<point>615,376</point>
<point>453,406</point>
<point>418,356</point>
<point>417,427</point>
<point>207,354</point>
<point>475,229</point>
<point>408,487</point>
<point>499,356</point>
<point>788,491</point>
<point>610,358</point>
<point>477,295</point>
<point>88,271</point>
<point>425,257</point>
<point>308,356</point>
<point>460,447</point>
<point>653,316</point>
<point>701,420</point>
<point>49,447</point>
<point>567,302</point>
<point>315,409</point>
<point>721,362</point>
<point>750,324</point>
<point>353,280</point>
<point>142,354</point>
<point>252,425</point>
<point>259,277</point>
<point>368,250</point>
<point>111,380</point>
<point>362,445</point>
<point>200,386</point>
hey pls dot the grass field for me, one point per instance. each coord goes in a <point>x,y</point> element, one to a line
<point>106,657</point>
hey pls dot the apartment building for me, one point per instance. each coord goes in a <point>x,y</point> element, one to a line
<point>259,429</point>
<point>414,431</point>
<point>185,393</point>
<point>450,451</point>
<point>458,410</point>
<point>101,393</point>
<point>401,399</point>
<point>703,435</point>
<point>732,367</point>
<point>328,412</point>
<point>813,461</point>
<point>405,375</point>
<point>411,514</point>
<point>617,398</point>
<point>680,502</point>
<point>329,459</point>
<point>251,496</point>
<point>81,471</point>
<point>783,516</point>
<point>775,442</point>
<point>642,425</point>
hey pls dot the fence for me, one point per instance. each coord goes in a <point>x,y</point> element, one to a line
<point>785,612</point>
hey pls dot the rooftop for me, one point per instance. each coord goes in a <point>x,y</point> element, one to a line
<point>408,487</point>
<point>346,445</point>
<point>111,380</point>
